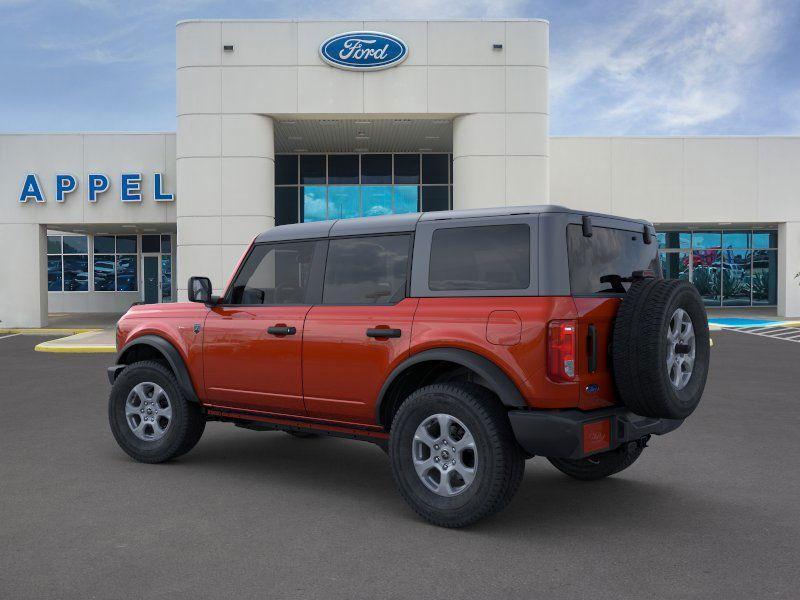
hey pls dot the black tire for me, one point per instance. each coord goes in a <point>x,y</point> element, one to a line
<point>600,465</point>
<point>500,465</point>
<point>184,430</point>
<point>640,349</point>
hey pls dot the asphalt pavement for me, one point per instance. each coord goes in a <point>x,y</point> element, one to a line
<point>709,511</point>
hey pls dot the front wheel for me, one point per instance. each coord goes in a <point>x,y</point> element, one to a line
<point>454,457</point>
<point>604,464</point>
<point>149,416</point>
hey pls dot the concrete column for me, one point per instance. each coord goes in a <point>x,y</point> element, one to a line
<point>788,266</point>
<point>24,302</point>
<point>226,178</point>
<point>500,160</point>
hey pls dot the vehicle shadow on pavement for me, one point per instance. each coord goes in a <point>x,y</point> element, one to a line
<point>548,502</point>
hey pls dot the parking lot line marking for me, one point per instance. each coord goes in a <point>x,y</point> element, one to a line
<point>789,334</point>
<point>2,337</point>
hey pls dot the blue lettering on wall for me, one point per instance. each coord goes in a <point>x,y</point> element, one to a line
<point>131,188</point>
<point>98,183</point>
<point>65,184</point>
<point>158,195</point>
<point>31,190</point>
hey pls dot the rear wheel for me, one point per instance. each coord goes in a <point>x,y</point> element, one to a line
<point>601,465</point>
<point>454,457</point>
<point>149,416</point>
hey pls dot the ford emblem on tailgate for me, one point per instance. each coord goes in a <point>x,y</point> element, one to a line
<point>363,50</point>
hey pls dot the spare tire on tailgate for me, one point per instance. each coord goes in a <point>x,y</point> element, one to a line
<point>660,348</point>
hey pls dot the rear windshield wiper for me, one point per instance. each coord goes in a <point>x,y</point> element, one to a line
<point>616,281</point>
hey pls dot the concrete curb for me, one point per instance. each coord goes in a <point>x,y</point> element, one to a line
<point>94,341</point>
<point>46,331</point>
<point>43,347</point>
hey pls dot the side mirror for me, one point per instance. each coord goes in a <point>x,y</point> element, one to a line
<point>200,290</point>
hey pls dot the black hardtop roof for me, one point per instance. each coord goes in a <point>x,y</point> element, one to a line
<point>407,222</point>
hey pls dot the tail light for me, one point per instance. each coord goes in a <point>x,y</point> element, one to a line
<point>561,349</point>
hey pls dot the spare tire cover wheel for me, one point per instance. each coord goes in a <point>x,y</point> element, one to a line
<point>660,348</point>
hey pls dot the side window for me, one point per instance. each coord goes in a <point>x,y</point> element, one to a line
<point>274,274</point>
<point>366,270</point>
<point>490,257</point>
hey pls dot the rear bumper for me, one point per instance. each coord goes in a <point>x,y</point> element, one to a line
<point>575,433</point>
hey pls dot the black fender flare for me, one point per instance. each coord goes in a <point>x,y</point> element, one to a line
<point>494,376</point>
<point>171,355</point>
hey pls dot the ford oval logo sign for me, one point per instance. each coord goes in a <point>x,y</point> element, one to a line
<point>363,50</point>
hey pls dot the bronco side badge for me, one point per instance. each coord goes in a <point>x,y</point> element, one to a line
<point>592,388</point>
<point>197,327</point>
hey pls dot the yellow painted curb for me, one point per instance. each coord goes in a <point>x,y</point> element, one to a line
<point>44,347</point>
<point>46,331</point>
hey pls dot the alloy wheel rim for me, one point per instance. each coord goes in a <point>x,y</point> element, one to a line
<point>148,411</point>
<point>444,454</point>
<point>681,348</point>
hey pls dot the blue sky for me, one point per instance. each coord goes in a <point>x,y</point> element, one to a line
<point>668,67</point>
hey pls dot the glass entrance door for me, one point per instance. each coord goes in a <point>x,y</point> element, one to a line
<point>152,279</point>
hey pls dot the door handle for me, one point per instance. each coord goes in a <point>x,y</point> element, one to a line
<point>383,332</point>
<point>281,330</point>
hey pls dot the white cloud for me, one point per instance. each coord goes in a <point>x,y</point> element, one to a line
<point>672,68</point>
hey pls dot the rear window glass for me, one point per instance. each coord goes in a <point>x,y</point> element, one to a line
<point>607,252</point>
<point>491,257</point>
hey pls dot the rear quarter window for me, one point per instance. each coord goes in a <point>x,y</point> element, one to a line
<point>606,252</point>
<point>490,257</point>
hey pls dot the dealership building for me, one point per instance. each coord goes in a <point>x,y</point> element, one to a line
<point>289,121</point>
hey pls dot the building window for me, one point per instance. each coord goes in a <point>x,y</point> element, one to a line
<point>736,267</point>
<point>115,263</point>
<point>316,187</point>
<point>67,263</point>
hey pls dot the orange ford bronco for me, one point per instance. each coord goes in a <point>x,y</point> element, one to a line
<point>461,342</point>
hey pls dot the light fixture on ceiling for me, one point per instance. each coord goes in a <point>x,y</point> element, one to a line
<point>360,149</point>
<point>432,137</point>
<point>128,226</point>
<point>402,121</point>
<point>328,121</point>
<point>288,122</point>
<point>426,149</point>
<point>301,150</point>
<point>441,121</point>
<point>363,122</point>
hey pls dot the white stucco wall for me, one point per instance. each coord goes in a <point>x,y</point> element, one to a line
<point>227,100</point>
<point>719,181</point>
<point>23,276</point>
